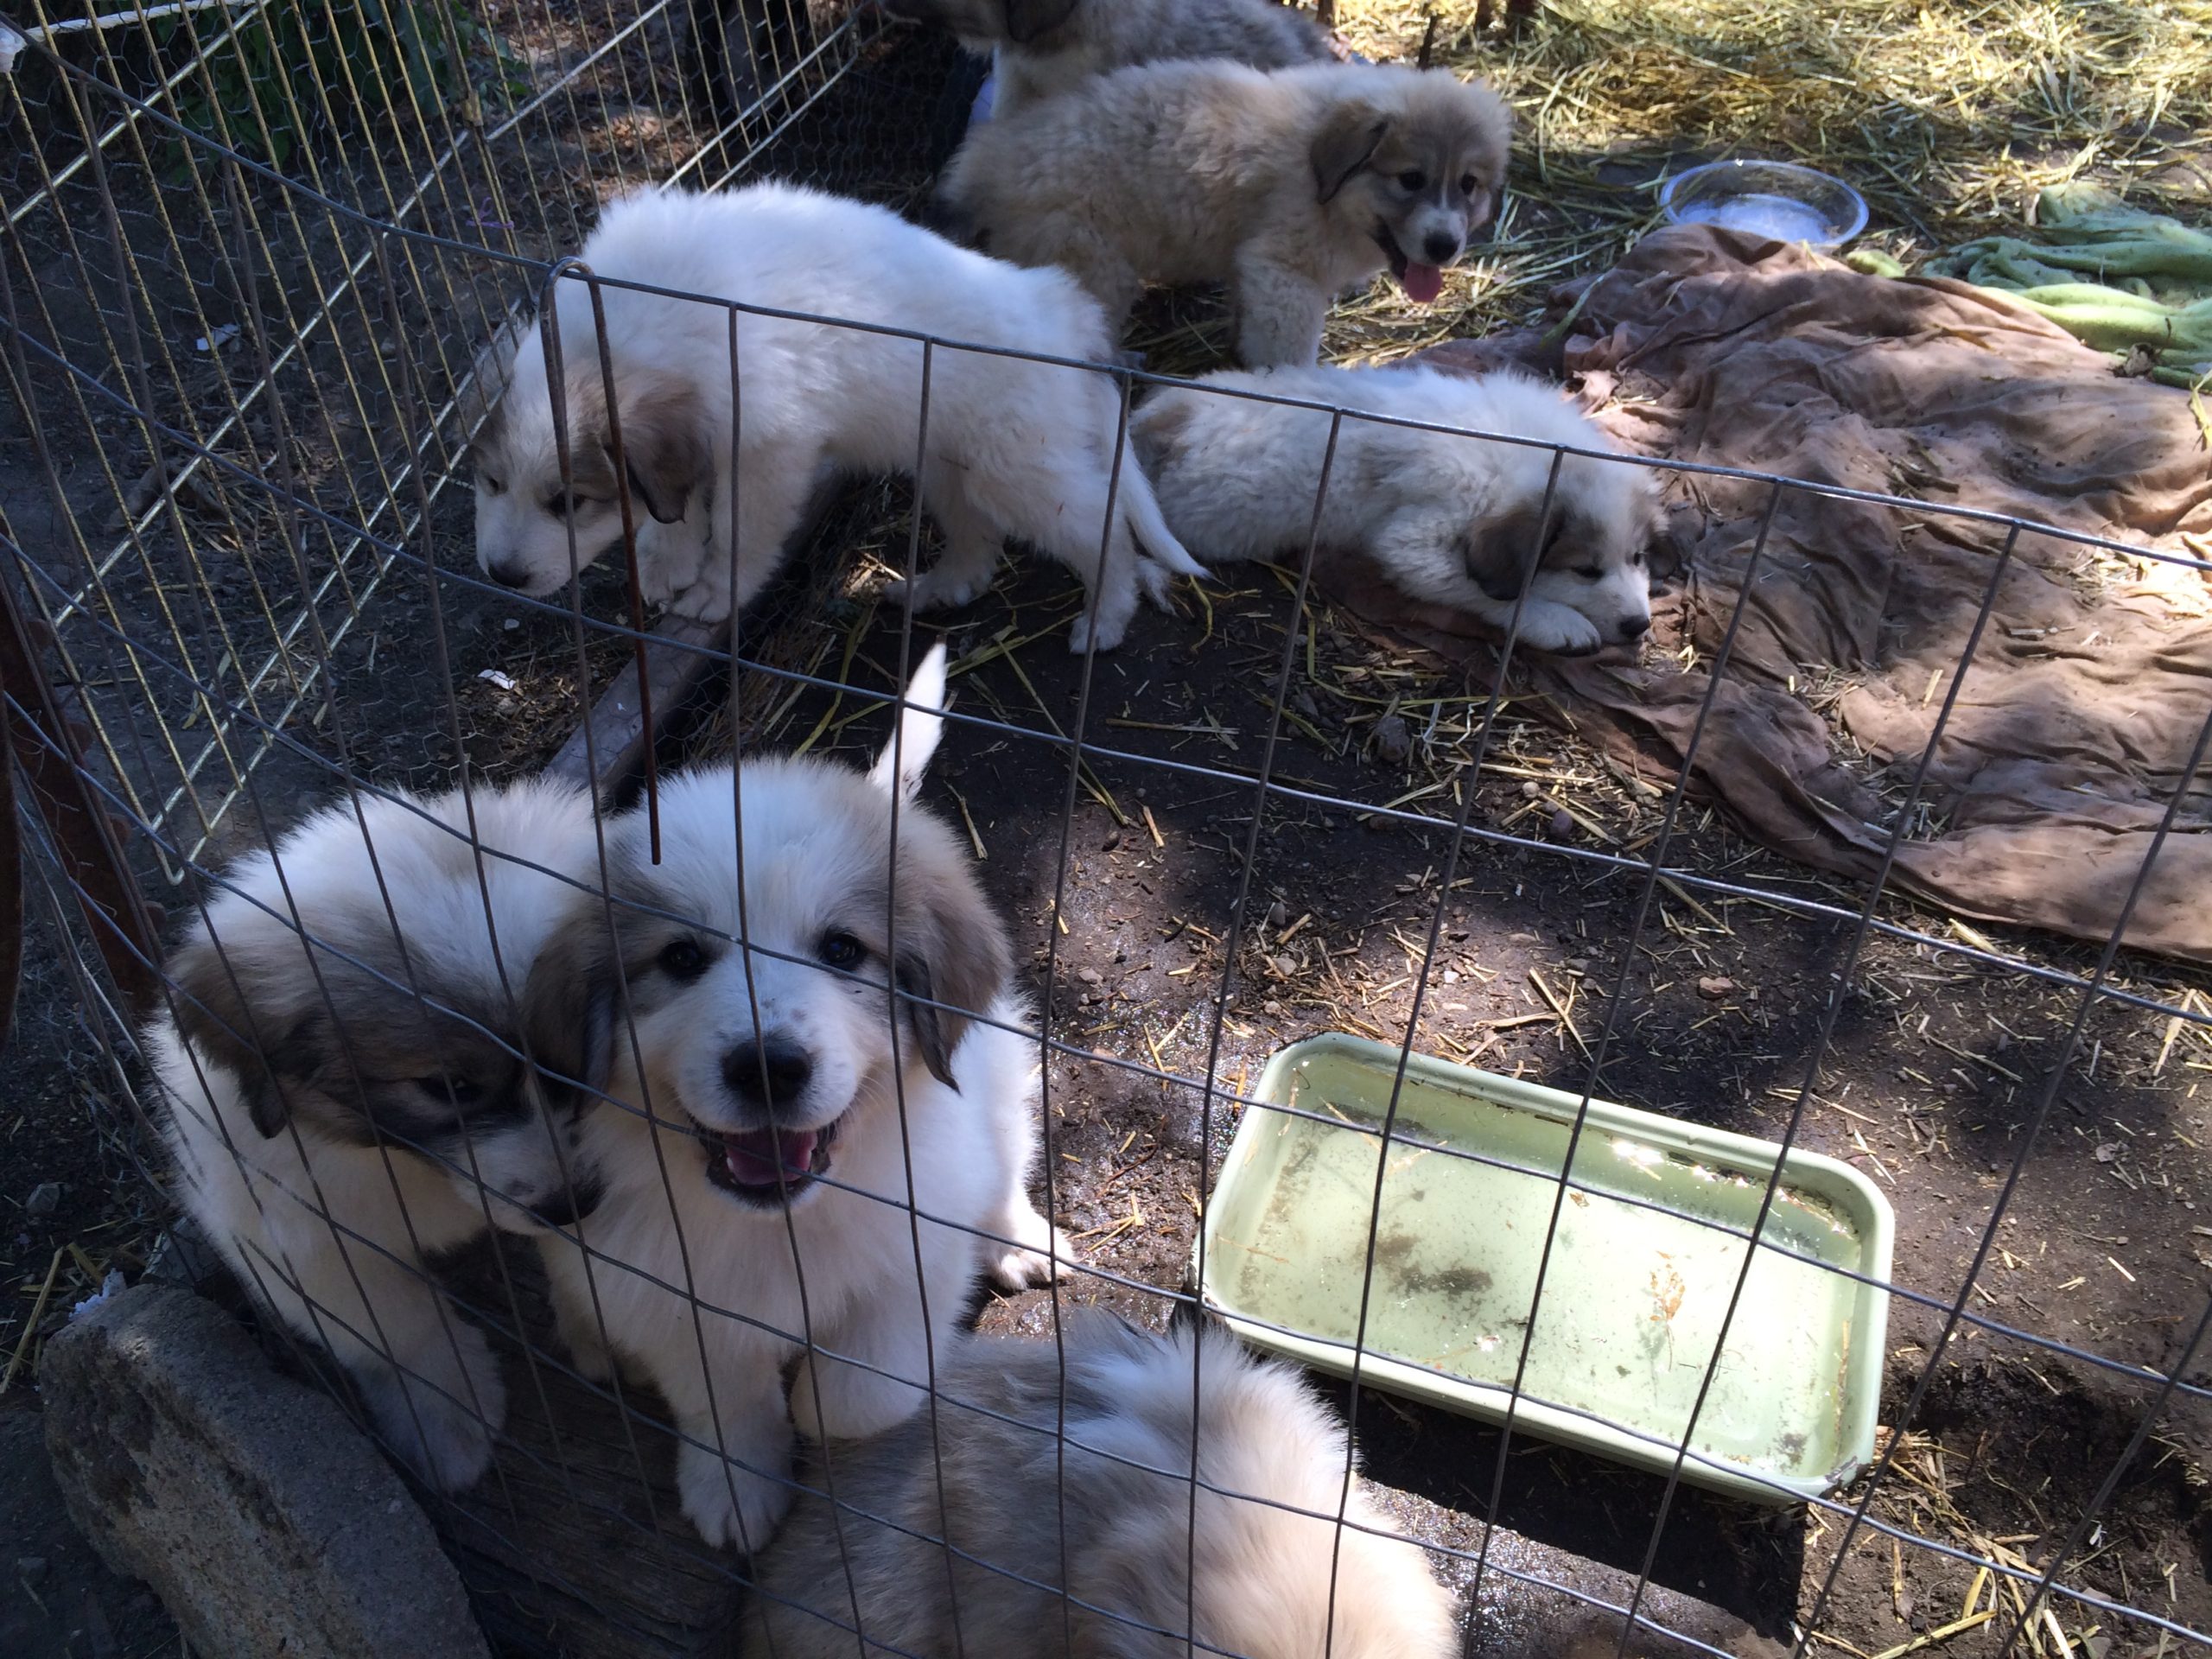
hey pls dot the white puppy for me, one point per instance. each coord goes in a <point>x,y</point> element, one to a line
<point>1289,187</point>
<point>1453,520</point>
<point>1264,1575</point>
<point>331,1127</point>
<point>1016,448</point>
<point>777,1101</point>
<point>1038,47</point>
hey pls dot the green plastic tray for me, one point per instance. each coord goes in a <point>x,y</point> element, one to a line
<point>1637,1287</point>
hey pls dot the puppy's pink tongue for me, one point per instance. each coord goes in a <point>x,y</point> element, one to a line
<point>1422,283</point>
<point>751,1157</point>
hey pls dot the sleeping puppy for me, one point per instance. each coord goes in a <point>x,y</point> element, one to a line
<point>1453,520</point>
<point>763,1105</point>
<point>1290,188</point>
<point>336,1112</point>
<point>1014,447</point>
<point>1038,47</point>
<point>1263,1573</point>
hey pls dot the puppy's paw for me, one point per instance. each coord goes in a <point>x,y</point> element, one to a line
<point>933,590</point>
<point>440,1422</point>
<point>705,601</point>
<point>1015,1270</point>
<point>590,1356</point>
<point>1107,634</point>
<point>1156,581</point>
<point>831,1399</point>
<point>1558,629</point>
<point>732,1506</point>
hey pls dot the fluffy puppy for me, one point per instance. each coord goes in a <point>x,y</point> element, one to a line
<point>768,1101</point>
<point>1261,1586</point>
<point>1289,187</point>
<point>1453,520</point>
<point>1038,47</point>
<point>1014,447</point>
<point>340,1106</point>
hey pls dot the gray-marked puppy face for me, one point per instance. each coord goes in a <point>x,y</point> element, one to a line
<point>1418,174</point>
<point>981,24</point>
<point>772,1058</point>
<point>1589,553</point>
<point>329,1030</point>
<point>529,509</point>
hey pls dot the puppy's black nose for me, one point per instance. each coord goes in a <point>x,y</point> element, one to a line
<point>768,1072</point>
<point>571,1204</point>
<point>509,573</point>
<point>1634,627</point>
<point>1440,249</point>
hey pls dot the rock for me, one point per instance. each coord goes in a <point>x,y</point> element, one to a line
<point>1562,823</point>
<point>1278,913</point>
<point>264,1521</point>
<point>1393,741</point>
<point>45,1199</point>
<point>1087,975</point>
<point>1713,987</point>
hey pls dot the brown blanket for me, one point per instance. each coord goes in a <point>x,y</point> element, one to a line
<point>2093,676</point>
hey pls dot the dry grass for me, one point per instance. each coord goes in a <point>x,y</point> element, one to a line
<point>1948,116</point>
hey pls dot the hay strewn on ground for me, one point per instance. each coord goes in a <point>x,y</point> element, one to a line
<point>1949,116</point>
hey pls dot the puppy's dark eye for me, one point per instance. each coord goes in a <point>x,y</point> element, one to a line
<point>1415,180</point>
<point>682,959</point>
<point>1590,572</point>
<point>1467,184</point>
<point>841,949</point>
<point>460,1091</point>
<point>492,485</point>
<point>563,503</point>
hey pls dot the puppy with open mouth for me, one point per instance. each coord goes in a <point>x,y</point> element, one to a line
<point>813,1147</point>
<point>1290,187</point>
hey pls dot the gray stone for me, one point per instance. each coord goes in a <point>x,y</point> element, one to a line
<point>263,1519</point>
<point>45,1199</point>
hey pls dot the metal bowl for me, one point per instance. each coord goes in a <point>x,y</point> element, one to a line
<point>1776,199</point>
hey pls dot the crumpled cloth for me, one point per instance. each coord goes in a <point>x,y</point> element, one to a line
<point>2091,680</point>
<point>2119,278</point>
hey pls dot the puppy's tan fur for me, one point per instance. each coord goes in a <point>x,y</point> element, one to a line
<point>1290,188</point>
<point>1041,47</point>
<point>1264,1573</point>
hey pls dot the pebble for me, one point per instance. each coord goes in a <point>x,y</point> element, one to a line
<point>1278,913</point>
<point>1529,791</point>
<point>1393,741</point>
<point>1087,975</point>
<point>45,1199</point>
<point>1714,986</point>
<point>31,1569</point>
<point>1562,822</point>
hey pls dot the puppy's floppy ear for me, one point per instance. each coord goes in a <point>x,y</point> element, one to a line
<point>568,1007</point>
<point>248,1038</point>
<point>907,757</point>
<point>1026,20</point>
<point>663,446</point>
<point>950,950</point>
<point>1501,554</point>
<point>1347,140</point>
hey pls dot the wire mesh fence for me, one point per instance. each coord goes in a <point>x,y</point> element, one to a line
<point>254,255</point>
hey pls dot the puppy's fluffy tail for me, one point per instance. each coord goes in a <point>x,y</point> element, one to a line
<point>1141,511</point>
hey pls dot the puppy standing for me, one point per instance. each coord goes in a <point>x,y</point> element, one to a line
<point>1263,1573</point>
<point>1040,47</point>
<point>329,1129</point>
<point>751,1085</point>
<point>1014,447</point>
<point>1290,188</point>
<point>1456,521</point>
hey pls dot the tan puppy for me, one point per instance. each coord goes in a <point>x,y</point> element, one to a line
<point>1040,47</point>
<point>1290,188</point>
<point>1275,1577</point>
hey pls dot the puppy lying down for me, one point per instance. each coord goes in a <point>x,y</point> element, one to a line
<point>1457,521</point>
<point>1040,47</point>
<point>1264,1573</point>
<point>1290,188</point>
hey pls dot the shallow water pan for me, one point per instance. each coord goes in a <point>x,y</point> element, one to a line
<point>1651,1241</point>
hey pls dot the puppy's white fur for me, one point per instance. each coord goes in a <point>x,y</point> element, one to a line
<point>329,1131</point>
<point>1453,520</point>
<point>1040,47</point>
<point>1014,449</point>
<point>867,1084</point>
<point>1290,187</point>
<point>1263,1578</point>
